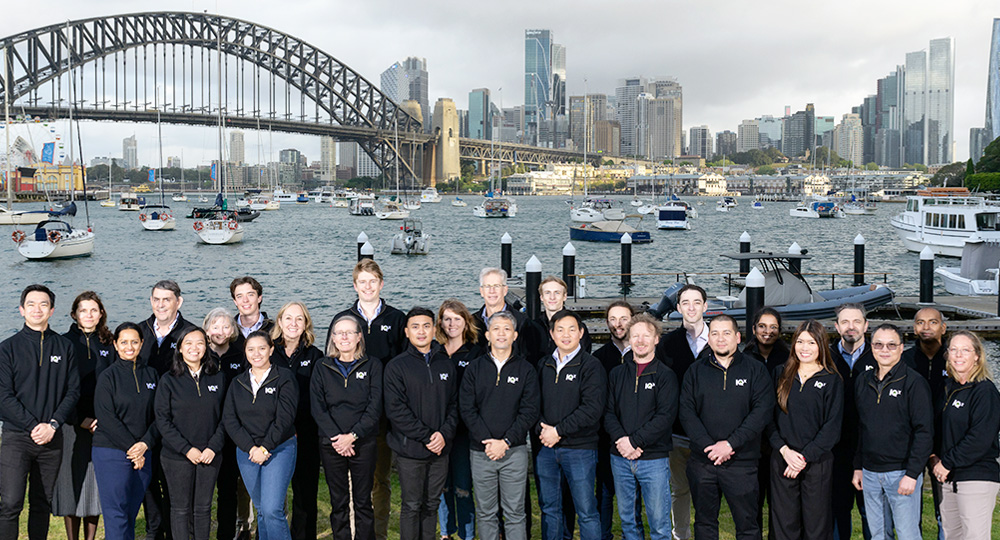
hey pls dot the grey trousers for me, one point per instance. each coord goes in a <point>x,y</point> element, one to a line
<point>502,483</point>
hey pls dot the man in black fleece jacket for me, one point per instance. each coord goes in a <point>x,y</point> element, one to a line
<point>896,423</point>
<point>421,394</point>
<point>573,387</point>
<point>493,289</point>
<point>499,404</point>
<point>727,400</point>
<point>39,388</point>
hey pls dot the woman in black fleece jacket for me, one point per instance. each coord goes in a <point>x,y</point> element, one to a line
<point>966,449</point>
<point>123,404</point>
<point>188,409</point>
<point>259,417</point>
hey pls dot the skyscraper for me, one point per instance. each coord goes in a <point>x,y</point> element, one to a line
<point>978,139</point>
<point>848,139</point>
<point>915,107</point>
<point>993,86</point>
<point>480,116</point>
<point>725,143</point>
<point>237,148</point>
<point>558,79</point>
<point>408,80</point>
<point>327,159</point>
<point>769,129</point>
<point>798,133</point>
<point>941,102</point>
<point>537,80</point>
<point>747,136</point>
<point>700,139</point>
<point>626,94</point>
<point>889,119</point>
<point>130,153</point>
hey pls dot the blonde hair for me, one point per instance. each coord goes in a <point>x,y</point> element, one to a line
<point>308,336</point>
<point>331,348</point>
<point>367,265</point>
<point>981,371</point>
<point>221,313</point>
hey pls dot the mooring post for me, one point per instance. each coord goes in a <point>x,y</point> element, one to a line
<point>505,249</point>
<point>532,279</point>
<point>569,268</point>
<point>744,248</point>
<point>755,298</point>
<point>859,260</point>
<point>795,263</point>
<point>626,242</point>
<point>362,240</point>
<point>927,276</point>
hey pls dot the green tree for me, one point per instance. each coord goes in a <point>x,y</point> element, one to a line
<point>970,168</point>
<point>990,162</point>
<point>774,154</point>
<point>950,175</point>
<point>871,166</point>
<point>766,170</point>
<point>669,162</point>
<point>983,181</point>
<point>684,164</point>
<point>609,163</point>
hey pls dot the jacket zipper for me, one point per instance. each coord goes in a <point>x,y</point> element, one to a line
<point>951,395</point>
<point>41,348</point>
<point>878,400</point>
<point>197,385</point>
<point>135,378</point>
<point>725,373</point>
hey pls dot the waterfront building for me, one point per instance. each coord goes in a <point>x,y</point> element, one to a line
<point>608,137</point>
<point>889,120</point>
<point>480,116</point>
<point>700,141</point>
<point>710,184</point>
<point>537,80</point>
<point>799,133</point>
<point>725,143</point>
<point>407,80</point>
<point>554,179</point>
<point>847,140</point>
<point>993,86</point>
<point>237,149</point>
<point>747,136</point>
<point>130,153</point>
<point>816,184</point>
<point>626,98</point>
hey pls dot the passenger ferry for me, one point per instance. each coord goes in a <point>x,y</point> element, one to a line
<point>943,219</point>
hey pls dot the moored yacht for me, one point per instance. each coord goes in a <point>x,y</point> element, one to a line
<point>943,219</point>
<point>672,217</point>
<point>493,207</point>
<point>54,239</point>
<point>430,195</point>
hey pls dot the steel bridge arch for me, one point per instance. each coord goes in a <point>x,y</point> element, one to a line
<point>37,57</point>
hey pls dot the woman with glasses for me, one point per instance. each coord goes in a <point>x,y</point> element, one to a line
<point>966,449</point>
<point>293,349</point>
<point>806,425</point>
<point>346,398</point>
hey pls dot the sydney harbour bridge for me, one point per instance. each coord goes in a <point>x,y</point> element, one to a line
<point>198,68</point>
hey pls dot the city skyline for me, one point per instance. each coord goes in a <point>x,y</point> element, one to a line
<point>750,60</point>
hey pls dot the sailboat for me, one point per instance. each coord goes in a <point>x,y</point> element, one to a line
<point>109,202</point>
<point>56,238</point>
<point>158,217</point>
<point>391,208</point>
<point>222,226</point>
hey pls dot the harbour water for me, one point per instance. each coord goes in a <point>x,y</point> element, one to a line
<point>306,252</point>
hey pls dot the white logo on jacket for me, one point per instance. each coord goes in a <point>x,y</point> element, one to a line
<point>104,353</point>
<point>571,376</point>
<point>895,392</point>
<point>444,376</point>
<point>173,345</point>
<point>305,363</point>
<point>213,388</point>
<point>151,385</point>
<point>512,380</point>
<point>650,385</point>
<point>386,327</point>
<point>957,404</point>
<point>741,382</point>
<point>55,359</point>
<point>269,390</point>
<point>819,384</point>
<point>360,375</point>
<point>869,368</point>
<point>463,363</point>
<point>234,367</point>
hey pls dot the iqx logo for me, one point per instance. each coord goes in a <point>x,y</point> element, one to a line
<point>957,404</point>
<point>213,388</point>
<point>305,363</point>
<point>869,368</point>
<point>895,392</point>
<point>104,353</point>
<point>741,382</point>
<point>55,359</point>
<point>151,385</point>
<point>269,390</point>
<point>571,376</point>
<point>386,327</point>
<point>650,385</point>
<point>234,367</point>
<point>361,375</point>
<point>819,384</point>
<point>463,363</point>
<point>512,380</point>
<point>443,376</point>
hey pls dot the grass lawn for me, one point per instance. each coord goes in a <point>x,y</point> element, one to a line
<point>58,531</point>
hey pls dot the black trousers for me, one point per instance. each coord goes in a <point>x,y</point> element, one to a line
<point>20,458</point>
<point>359,490</point>
<point>845,496</point>
<point>421,482</point>
<point>305,481</point>
<point>738,483</point>
<point>227,482</point>
<point>191,487</point>
<point>764,485</point>
<point>801,507</point>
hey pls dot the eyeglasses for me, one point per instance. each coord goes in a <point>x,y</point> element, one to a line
<point>878,346</point>
<point>960,352</point>
<point>491,287</point>
<point>346,333</point>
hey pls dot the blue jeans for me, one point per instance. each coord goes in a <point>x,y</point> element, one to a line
<point>653,476</point>
<point>880,490</point>
<point>579,466</point>
<point>121,489</point>
<point>457,511</point>
<point>268,486</point>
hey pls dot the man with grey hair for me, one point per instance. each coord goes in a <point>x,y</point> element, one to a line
<point>499,402</point>
<point>493,289</point>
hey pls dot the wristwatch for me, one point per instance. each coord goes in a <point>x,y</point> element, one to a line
<point>54,424</point>
<point>507,442</point>
<point>355,435</point>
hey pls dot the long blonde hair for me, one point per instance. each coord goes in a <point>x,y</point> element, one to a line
<point>308,336</point>
<point>981,371</point>
<point>469,335</point>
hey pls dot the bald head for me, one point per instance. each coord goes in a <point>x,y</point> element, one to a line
<point>929,326</point>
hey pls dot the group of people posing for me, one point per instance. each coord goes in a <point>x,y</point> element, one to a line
<point>468,404</point>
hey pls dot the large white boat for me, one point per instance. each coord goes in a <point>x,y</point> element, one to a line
<point>943,219</point>
<point>493,207</point>
<point>54,239</point>
<point>593,210</point>
<point>22,217</point>
<point>977,274</point>
<point>129,202</point>
<point>157,217</point>
<point>362,205</point>
<point>430,195</point>
<point>281,196</point>
<point>672,217</point>
<point>391,209</point>
<point>223,228</point>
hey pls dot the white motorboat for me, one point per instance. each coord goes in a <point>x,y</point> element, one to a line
<point>411,240</point>
<point>411,205</point>
<point>362,205</point>
<point>493,207</point>
<point>223,228</point>
<point>430,195</point>
<point>281,196</point>
<point>391,209</point>
<point>23,217</point>
<point>943,219</point>
<point>586,214</point>
<point>108,203</point>
<point>128,202</point>
<point>803,209</point>
<point>721,206</point>
<point>672,217</point>
<point>859,208</point>
<point>458,202</point>
<point>179,197</point>
<point>730,202</point>
<point>757,205</point>
<point>592,210</point>
<point>636,202</point>
<point>54,239</point>
<point>978,273</point>
<point>157,217</point>
<point>326,195</point>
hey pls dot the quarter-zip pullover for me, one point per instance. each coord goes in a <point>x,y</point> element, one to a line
<point>775,360</point>
<point>462,358</point>
<point>124,406</point>
<point>39,380</point>
<point>573,399</point>
<point>895,420</point>
<point>351,404</point>
<point>232,362</point>
<point>384,336</point>
<point>935,370</point>
<point>421,397</point>
<point>731,404</point>
<point>968,421</point>
<point>523,328</point>
<point>189,412</point>
<point>267,419</point>
<point>611,356</point>
<point>848,444</point>
<point>160,356</point>
<point>674,351</point>
<point>642,407</point>
<point>302,363</point>
<point>815,411</point>
<point>538,341</point>
<point>92,357</point>
<point>501,404</point>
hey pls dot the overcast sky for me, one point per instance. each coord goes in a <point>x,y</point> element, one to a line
<point>735,59</point>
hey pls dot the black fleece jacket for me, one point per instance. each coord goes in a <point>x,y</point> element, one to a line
<point>733,404</point>
<point>525,332</point>
<point>302,363</point>
<point>932,369</point>
<point>777,358</point>
<point>267,419</point>
<point>500,405</point>
<point>351,404</point>
<point>674,351</point>
<point>462,358</point>
<point>848,445</point>
<point>895,421</point>
<point>815,411</point>
<point>232,362</point>
<point>39,380</point>
<point>642,407</point>
<point>124,406</point>
<point>160,356</point>
<point>421,398</point>
<point>611,356</point>
<point>92,357</point>
<point>968,420</point>
<point>189,412</point>
<point>384,337</point>
<point>573,399</point>
<point>538,341</point>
